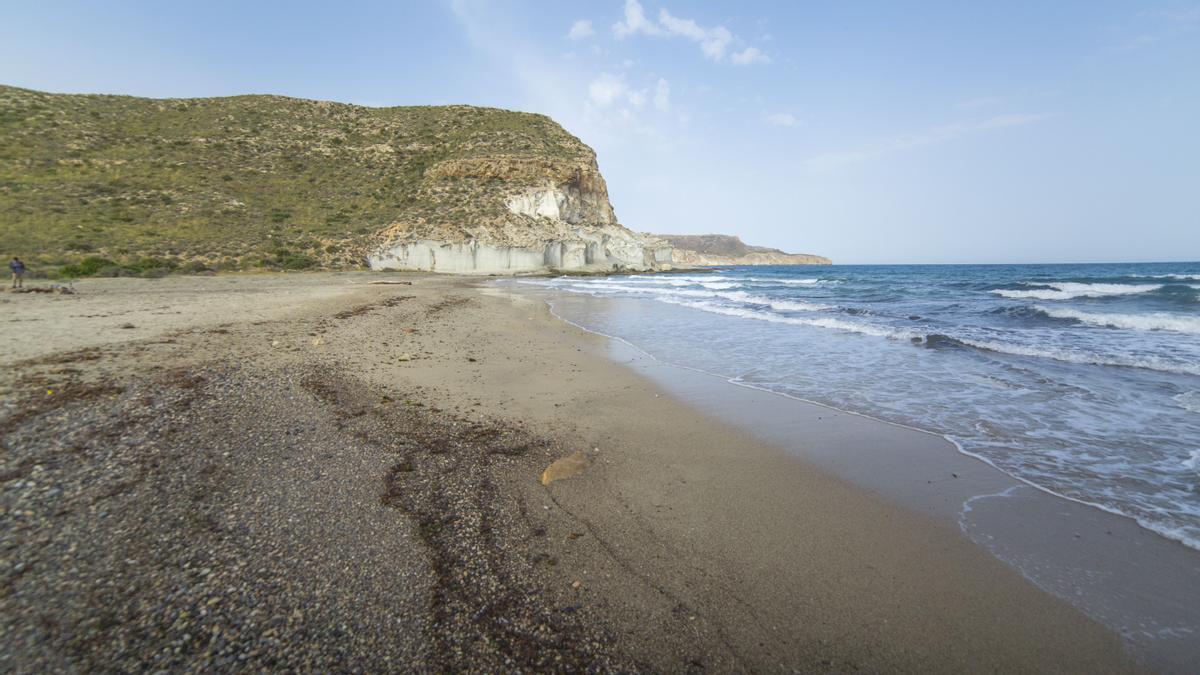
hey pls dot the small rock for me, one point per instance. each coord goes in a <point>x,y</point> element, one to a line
<point>565,467</point>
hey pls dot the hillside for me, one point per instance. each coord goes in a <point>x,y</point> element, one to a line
<point>253,181</point>
<point>722,249</point>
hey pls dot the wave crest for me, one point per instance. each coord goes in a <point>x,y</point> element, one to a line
<point>1152,321</point>
<point>1188,401</point>
<point>1068,291</point>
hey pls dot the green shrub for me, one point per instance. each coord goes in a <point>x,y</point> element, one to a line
<point>296,262</point>
<point>87,267</point>
<point>115,271</point>
<point>147,264</point>
<point>194,267</point>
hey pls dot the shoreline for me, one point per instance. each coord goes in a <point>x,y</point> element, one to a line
<point>937,434</point>
<point>1141,583</point>
<point>687,542</point>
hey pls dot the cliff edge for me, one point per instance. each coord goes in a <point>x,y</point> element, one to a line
<point>723,249</point>
<point>275,182</point>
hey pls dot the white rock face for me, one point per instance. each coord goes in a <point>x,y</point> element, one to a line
<point>589,251</point>
<point>547,203</point>
<point>567,203</point>
<point>575,231</point>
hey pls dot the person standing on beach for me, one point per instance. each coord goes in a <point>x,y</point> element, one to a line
<point>18,272</point>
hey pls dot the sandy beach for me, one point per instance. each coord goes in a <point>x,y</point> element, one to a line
<point>316,472</point>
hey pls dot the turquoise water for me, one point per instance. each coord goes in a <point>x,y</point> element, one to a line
<point>1083,380</point>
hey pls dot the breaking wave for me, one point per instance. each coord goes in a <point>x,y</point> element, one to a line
<point>1188,401</point>
<point>1193,463</point>
<point>1152,321</point>
<point>1177,277</point>
<point>1068,291</point>
<point>734,296</point>
<point>788,282</point>
<point>822,322</point>
<point>1147,362</point>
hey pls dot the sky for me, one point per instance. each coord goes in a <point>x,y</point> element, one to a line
<point>870,132</point>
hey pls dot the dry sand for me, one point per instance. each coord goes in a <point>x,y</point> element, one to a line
<point>311,472</point>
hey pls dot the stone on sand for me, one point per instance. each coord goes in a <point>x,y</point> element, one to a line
<point>565,467</point>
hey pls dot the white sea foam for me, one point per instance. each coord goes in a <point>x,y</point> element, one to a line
<point>1151,321</point>
<point>702,300</point>
<point>660,277</point>
<point>1067,291</point>
<point>793,305</point>
<point>736,296</point>
<point>1189,400</point>
<point>1144,362</point>
<point>654,291</point>
<point>632,282</point>
<point>1180,277</point>
<point>1193,461</point>
<point>790,282</point>
<point>836,324</point>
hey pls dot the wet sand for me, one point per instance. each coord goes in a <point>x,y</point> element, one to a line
<point>308,471</point>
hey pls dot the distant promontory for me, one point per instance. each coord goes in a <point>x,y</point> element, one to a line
<point>723,249</point>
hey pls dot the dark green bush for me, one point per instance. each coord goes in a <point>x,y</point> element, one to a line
<point>87,267</point>
<point>194,267</point>
<point>296,262</point>
<point>147,264</point>
<point>115,271</point>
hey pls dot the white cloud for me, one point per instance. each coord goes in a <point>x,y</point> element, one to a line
<point>581,29</point>
<point>712,41</point>
<point>748,56</point>
<point>602,109</point>
<point>662,95</point>
<point>635,22</point>
<point>782,120</point>
<point>609,90</point>
<point>835,160</point>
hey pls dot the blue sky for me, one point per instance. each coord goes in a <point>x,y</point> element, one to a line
<point>866,131</point>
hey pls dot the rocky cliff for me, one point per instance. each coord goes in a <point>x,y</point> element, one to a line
<point>556,217</point>
<point>275,182</point>
<point>722,249</point>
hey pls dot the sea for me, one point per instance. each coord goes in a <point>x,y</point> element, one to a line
<point>1080,380</point>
